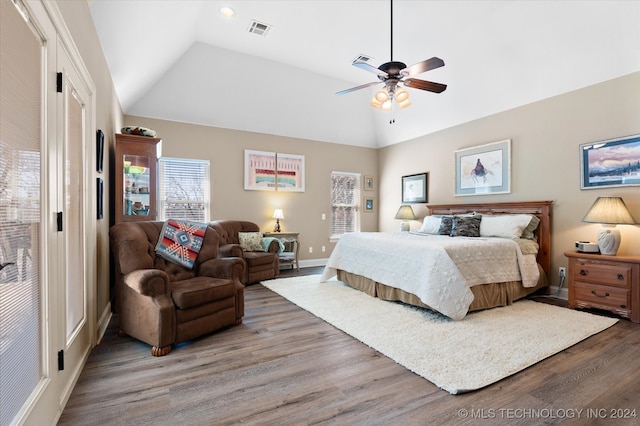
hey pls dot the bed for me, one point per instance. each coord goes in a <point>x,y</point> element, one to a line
<point>433,271</point>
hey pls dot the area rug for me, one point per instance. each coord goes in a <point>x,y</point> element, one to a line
<point>457,356</point>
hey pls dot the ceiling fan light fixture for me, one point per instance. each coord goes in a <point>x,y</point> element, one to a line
<point>386,105</point>
<point>404,104</point>
<point>382,95</point>
<point>401,95</point>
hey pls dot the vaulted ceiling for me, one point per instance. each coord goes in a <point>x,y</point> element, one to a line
<point>183,61</point>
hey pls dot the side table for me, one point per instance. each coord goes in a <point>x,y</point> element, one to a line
<point>291,243</point>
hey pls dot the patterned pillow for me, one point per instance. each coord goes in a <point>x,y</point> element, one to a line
<point>140,131</point>
<point>250,241</point>
<point>446,223</point>
<point>466,226</point>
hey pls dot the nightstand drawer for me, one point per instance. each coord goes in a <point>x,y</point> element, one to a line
<point>602,296</point>
<point>595,273</point>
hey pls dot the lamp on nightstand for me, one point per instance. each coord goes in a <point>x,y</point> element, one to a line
<point>405,213</point>
<point>277,215</point>
<point>609,211</point>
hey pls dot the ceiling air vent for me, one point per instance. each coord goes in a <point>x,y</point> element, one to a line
<point>362,58</point>
<point>259,28</point>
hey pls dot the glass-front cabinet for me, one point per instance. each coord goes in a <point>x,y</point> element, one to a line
<point>136,177</point>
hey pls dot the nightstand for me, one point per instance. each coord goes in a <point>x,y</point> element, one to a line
<point>611,283</point>
<point>291,247</point>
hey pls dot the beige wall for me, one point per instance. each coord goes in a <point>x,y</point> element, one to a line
<point>78,20</point>
<point>302,210</point>
<point>545,138</point>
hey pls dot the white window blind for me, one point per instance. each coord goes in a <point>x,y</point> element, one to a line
<point>20,227</point>
<point>183,189</point>
<point>345,203</point>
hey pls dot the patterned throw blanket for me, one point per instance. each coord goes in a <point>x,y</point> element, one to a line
<point>180,241</point>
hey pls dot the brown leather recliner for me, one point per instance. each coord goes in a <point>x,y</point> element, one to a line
<point>162,303</point>
<point>260,265</point>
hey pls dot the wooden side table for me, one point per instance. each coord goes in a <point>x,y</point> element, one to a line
<point>291,243</point>
<point>611,283</point>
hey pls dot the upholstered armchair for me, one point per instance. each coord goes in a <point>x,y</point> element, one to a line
<point>262,263</point>
<point>162,303</point>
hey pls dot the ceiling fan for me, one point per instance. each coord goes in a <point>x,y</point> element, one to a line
<point>392,73</point>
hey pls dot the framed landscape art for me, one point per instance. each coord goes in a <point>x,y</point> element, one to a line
<point>613,162</point>
<point>484,169</point>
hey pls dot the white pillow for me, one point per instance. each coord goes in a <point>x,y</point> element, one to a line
<point>504,226</point>
<point>430,224</point>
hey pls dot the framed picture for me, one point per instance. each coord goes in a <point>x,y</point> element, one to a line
<point>414,188</point>
<point>290,172</point>
<point>484,169</point>
<point>259,170</point>
<point>369,183</point>
<point>368,205</point>
<point>99,198</point>
<point>613,162</point>
<point>99,150</point>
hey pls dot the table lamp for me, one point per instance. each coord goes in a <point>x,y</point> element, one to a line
<point>277,215</point>
<point>609,211</point>
<point>405,213</point>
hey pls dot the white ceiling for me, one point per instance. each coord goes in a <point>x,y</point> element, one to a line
<point>183,61</point>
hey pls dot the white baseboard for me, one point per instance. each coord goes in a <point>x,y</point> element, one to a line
<point>564,293</point>
<point>103,323</point>
<point>311,263</point>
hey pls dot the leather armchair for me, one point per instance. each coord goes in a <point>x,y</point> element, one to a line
<point>162,303</point>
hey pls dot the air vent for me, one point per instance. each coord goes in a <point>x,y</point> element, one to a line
<point>259,28</point>
<point>362,58</point>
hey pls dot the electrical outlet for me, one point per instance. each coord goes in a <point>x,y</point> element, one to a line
<point>324,216</point>
<point>310,249</point>
<point>562,271</point>
<point>323,249</point>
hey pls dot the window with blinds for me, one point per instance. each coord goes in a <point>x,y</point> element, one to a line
<point>345,203</point>
<point>183,188</point>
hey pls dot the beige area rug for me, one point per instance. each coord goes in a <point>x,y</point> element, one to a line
<point>457,356</point>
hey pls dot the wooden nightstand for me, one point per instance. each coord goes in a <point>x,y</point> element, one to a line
<point>605,282</point>
<point>292,247</point>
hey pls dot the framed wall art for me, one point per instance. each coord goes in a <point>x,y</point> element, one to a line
<point>613,162</point>
<point>369,206</point>
<point>290,172</point>
<point>484,169</point>
<point>259,170</point>
<point>99,150</point>
<point>414,188</point>
<point>369,183</point>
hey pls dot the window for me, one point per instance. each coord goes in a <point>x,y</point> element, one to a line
<point>345,203</point>
<point>183,189</point>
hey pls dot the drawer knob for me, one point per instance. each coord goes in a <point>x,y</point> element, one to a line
<point>583,272</point>
<point>620,277</point>
<point>598,295</point>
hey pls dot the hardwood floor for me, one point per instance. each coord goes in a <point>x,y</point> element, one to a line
<point>285,366</point>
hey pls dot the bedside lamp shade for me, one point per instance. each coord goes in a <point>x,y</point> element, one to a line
<point>405,213</point>
<point>277,215</point>
<point>609,211</point>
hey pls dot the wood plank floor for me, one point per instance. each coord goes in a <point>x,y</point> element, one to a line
<point>285,366</point>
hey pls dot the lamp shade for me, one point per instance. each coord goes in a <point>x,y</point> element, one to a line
<point>609,210</point>
<point>405,212</point>
<point>277,214</point>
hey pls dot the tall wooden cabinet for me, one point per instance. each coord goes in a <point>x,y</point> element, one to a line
<point>136,178</point>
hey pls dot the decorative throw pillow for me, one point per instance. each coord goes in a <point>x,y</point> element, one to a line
<point>466,226</point>
<point>431,224</point>
<point>250,241</point>
<point>180,241</point>
<point>528,232</point>
<point>446,223</point>
<point>504,226</point>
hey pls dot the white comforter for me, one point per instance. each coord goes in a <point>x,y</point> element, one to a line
<point>437,269</point>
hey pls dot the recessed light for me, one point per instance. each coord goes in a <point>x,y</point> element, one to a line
<point>227,12</point>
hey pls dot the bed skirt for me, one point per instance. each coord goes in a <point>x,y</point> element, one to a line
<point>485,295</point>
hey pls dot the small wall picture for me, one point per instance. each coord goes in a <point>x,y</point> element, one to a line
<point>368,205</point>
<point>414,188</point>
<point>369,183</point>
<point>614,162</point>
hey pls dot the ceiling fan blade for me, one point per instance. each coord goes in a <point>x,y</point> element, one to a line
<point>368,67</point>
<point>353,89</point>
<point>426,65</point>
<point>424,85</point>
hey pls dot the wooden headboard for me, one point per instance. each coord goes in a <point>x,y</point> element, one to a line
<point>541,209</point>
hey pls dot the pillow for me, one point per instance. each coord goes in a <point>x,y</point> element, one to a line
<point>528,232</point>
<point>446,223</point>
<point>504,226</point>
<point>466,226</point>
<point>250,241</point>
<point>431,224</point>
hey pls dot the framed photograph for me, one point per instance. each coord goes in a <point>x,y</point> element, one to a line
<point>369,206</point>
<point>484,169</point>
<point>613,162</point>
<point>290,172</point>
<point>414,188</point>
<point>369,183</point>
<point>259,170</point>
<point>100,198</point>
<point>99,150</point>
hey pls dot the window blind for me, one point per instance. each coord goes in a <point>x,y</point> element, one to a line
<point>183,188</point>
<point>345,203</point>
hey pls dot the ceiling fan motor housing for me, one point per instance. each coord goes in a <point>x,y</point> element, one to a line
<point>392,68</point>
